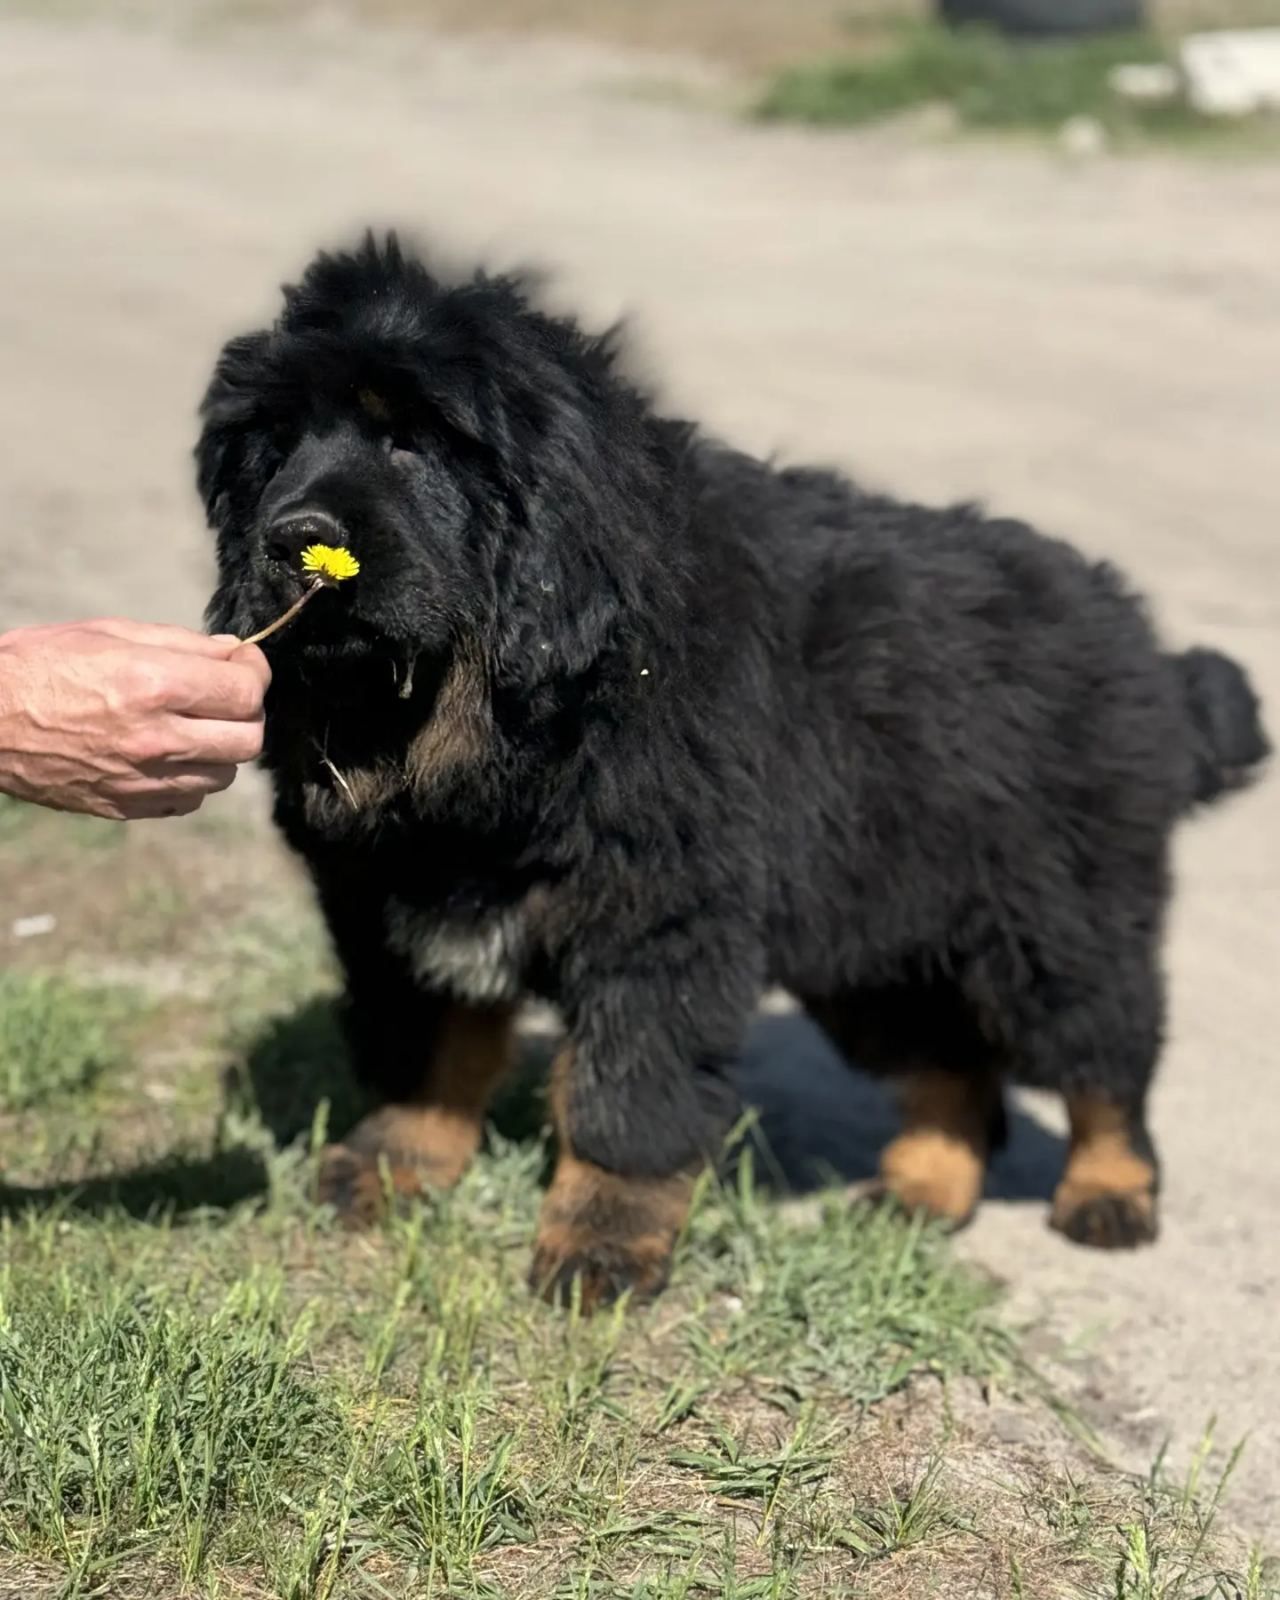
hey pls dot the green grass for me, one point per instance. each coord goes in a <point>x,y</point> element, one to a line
<point>56,1038</point>
<point>989,82</point>
<point>142,1412</point>
<point>207,1388</point>
<point>249,1402</point>
<point>254,1398</point>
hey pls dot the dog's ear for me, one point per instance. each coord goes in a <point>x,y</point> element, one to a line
<point>559,602</point>
<point>233,460</point>
<point>586,483</point>
<point>227,415</point>
<point>572,555</point>
<point>588,559</point>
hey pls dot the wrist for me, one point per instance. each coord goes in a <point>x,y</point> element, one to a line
<point>10,673</point>
<point>14,697</point>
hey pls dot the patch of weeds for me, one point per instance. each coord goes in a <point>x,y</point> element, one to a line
<point>854,1306</point>
<point>989,81</point>
<point>1148,1539</point>
<point>1169,1549</point>
<point>137,1417</point>
<point>56,1038</point>
<point>731,1470</point>
<point>910,1514</point>
<point>253,1402</point>
<point>447,1492</point>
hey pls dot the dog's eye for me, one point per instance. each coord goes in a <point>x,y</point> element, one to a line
<point>281,439</point>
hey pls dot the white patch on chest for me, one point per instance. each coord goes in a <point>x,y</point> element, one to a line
<point>477,960</point>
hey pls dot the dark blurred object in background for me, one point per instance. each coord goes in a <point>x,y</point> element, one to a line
<point>1047,18</point>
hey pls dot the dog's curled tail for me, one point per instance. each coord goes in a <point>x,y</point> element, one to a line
<point>1228,741</point>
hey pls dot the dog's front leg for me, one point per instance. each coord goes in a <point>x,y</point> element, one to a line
<point>426,1132</point>
<point>640,1101</point>
<point>433,1062</point>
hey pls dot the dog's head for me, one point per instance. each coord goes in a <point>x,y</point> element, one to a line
<point>497,481</point>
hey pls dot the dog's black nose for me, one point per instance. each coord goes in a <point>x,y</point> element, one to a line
<point>292,531</point>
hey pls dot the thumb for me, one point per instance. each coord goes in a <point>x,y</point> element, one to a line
<point>248,655</point>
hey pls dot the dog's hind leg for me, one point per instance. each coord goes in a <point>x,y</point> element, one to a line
<point>1099,1048</point>
<point>948,1090</point>
<point>938,1163</point>
<point>1107,1196</point>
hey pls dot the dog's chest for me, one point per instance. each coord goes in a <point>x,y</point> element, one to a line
<point>478,957</point>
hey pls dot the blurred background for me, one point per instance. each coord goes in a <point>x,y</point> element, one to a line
<point>1028,251</point>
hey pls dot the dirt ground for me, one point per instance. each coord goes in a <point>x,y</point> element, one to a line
<point>1096,346</point>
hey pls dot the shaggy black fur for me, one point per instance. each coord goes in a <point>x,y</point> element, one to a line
<point>621,717</point>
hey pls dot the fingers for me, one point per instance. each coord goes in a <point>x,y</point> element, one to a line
<point>132,807</point>
<point>167,636</point>
<point>175,794</point>
<point>229,690</point>
<point>197,777</point>
<point>195,742</point>
<point>252,658</point>
<point>143,806</point>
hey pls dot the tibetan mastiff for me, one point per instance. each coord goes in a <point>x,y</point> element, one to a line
<point>619,717</point>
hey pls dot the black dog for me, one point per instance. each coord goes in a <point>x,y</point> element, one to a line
<point>619,717</point>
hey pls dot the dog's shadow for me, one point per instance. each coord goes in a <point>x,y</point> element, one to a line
<point>817,1122</point>
<point>820,1123</point>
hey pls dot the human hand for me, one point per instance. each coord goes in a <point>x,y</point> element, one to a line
<point>126,719</point>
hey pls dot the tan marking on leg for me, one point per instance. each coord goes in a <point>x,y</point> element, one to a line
<point>1107,1196</point>
<point>938,1162</point>
<point>427,1143</point>
<point>609,1233</point>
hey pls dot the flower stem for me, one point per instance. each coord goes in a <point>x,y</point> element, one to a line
<point>308,593</point>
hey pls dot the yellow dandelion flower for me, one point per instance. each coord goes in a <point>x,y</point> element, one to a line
<point>330,563</point>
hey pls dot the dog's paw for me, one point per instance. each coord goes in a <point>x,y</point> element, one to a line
<point>352,1183</point>
<point>601,1235</point>
<point>1105,1220</point>
<point>396,1152</point>
<point>427,1146</point>
<point>914,1200</point>
<point>932,1173</point>
<point>595,1271</point>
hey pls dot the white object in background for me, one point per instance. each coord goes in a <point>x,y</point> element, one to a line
<point>1234,74</point>
<point>33,927</point>
<point>1146,82</point>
